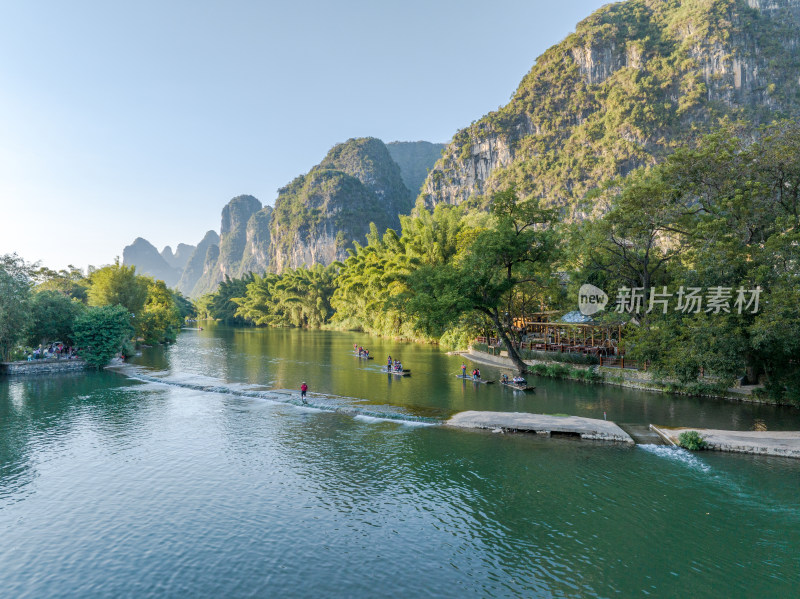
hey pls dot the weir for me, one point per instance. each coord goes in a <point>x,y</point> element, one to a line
<point>773,443</point>
<point>317,401</point>
<point>543,424</point>
<point>585,428</point>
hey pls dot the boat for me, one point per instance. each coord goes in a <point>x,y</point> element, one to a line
<point>469,378</point>
<point>404,372</point>
<point>517,386</point>
<point>362,356</point>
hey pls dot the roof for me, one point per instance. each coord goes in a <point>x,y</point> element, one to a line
<point>575,317</point>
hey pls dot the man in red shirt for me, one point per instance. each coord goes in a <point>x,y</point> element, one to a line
<point>303,389</point>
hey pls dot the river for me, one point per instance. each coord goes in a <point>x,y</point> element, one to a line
<point>200,477</point>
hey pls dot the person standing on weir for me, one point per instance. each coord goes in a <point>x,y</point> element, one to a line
<point>303,389</point>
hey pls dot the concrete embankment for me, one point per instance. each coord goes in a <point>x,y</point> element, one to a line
<point>543,424</point>
<point>775,443</point>
<point>630,378</point>
<point>42,366</point>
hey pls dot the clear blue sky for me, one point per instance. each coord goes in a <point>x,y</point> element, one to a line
<point>127,119</point>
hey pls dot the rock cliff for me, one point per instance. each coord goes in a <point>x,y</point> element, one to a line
<point>232,241</point>
<point>635,80</point>
<point>255,257</point>
<point>194,267</point>
<point>368,160</point>
<point>319,215</point>
<point>145,257</point>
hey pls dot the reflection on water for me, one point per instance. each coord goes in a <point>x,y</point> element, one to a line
<point>112,487</point>
<point>283,358</point>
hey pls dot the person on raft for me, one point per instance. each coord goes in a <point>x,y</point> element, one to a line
<point>303,390</point>
<point>463,370</point>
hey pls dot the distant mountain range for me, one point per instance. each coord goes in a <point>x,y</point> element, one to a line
<point>316,217</point>
<point>636,80</point>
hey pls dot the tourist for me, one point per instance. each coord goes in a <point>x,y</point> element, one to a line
<point>463,370</point>
<point>303,390</point>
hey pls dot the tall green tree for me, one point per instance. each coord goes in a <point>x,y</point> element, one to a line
<point>118,285</point>
<point>70,282</point>
<point>160,319</point>
<point>222,305</point>
<point>15,293</point>
<point>517,249</point>
<point>53,316</point>
<point>719,219</point>
<point>102,332</point>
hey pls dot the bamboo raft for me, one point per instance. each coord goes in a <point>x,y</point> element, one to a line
<point>469,378</point>
<point>518,387</point>
<point>404,372</point>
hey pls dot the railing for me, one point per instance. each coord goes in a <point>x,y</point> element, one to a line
<point>622,362</point>
<point>603,355</point>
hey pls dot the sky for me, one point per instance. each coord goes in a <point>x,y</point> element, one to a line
<point>143,119</point>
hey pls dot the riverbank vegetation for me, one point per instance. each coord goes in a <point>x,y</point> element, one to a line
<point>699,256</point>
<point>716,221</point>
<point>102,313</point>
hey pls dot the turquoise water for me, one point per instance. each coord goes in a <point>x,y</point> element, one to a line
<point>113,487</point>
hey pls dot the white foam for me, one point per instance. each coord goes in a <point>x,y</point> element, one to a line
<point>677,454</point>
<point>404,422</point>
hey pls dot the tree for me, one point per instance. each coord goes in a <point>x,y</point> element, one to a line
<point>15,292</point>
<point>69,282</point>
<point>719,216</point>
<point>222,305</point>
<point>256,305</point>
<point>185,306</point>
<point>298,297</point>
<point>636,241</point>
<point>160,319</point>
<point>118,285</point>
<point>101,332</point>
<point>52,317</point>
<point>516,250</point>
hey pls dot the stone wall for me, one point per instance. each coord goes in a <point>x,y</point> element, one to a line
<point>41,367</point>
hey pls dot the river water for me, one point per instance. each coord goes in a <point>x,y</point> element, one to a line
<point>201,477</point>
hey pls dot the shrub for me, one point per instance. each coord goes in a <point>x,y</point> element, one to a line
<point>539,369</point>
<point>100,333</point>
<point>558,370</point>
<point>570,358</point>
<point>692,440</point>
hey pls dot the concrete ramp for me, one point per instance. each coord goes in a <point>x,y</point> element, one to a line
<point>777,443</point>
<point>543,424</point>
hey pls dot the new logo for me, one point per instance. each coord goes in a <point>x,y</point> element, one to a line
<point>591,299</point>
